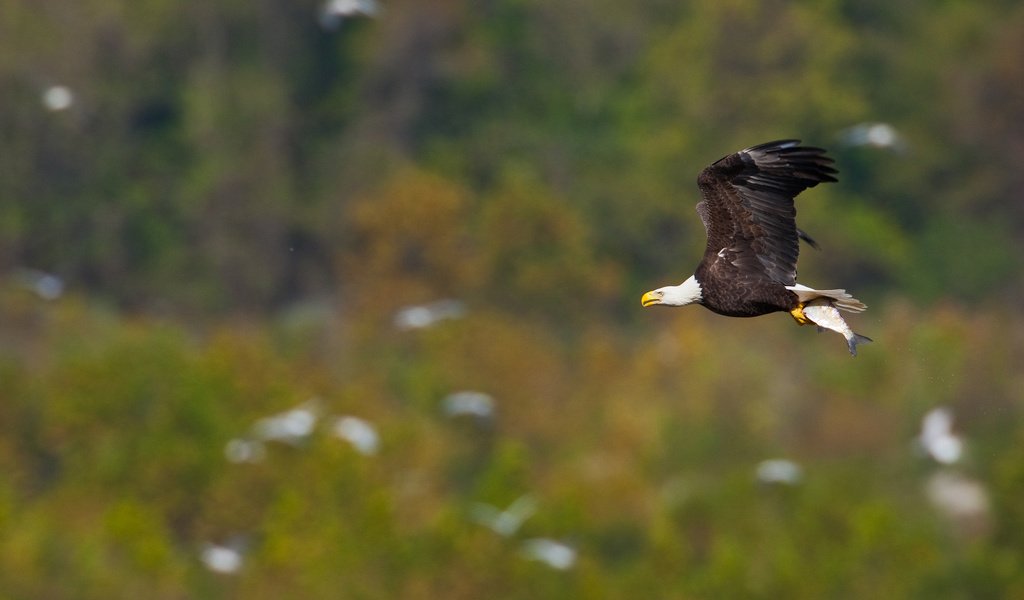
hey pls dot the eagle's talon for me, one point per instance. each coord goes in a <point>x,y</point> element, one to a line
<point>799,316</point>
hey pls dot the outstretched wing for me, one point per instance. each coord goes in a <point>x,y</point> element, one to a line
<point>748,211</point>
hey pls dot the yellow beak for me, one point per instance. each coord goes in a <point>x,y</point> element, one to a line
<point>649,299</point>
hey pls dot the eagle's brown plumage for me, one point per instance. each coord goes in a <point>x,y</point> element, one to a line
<point>748,212</point>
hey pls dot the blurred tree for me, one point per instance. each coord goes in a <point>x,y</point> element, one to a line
<point>536,253</point>
<point>408,242</point>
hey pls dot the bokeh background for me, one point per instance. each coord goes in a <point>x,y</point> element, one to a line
<point>341,300</point>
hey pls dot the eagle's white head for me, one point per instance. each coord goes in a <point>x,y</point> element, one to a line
<point>685,293</point>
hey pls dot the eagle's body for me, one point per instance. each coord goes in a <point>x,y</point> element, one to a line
<point>753,300</point>
<point>749,263</point>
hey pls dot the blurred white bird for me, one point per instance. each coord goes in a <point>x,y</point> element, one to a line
<point>505,522</point>
<point>425,315</point>
<point>468,403</point>
<point>43,284</point>
<point>57,98</point>
<point>335,11</point>
<point>779,470</point>
<point>964,502</point>
<point>875,135</point>
<point>358,432</point>
<point>226,559</point>
<point>241,450</point>
<point>937,437</point>
<point>553,553</point>
<point>290,427</point>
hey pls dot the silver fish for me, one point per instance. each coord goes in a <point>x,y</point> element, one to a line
<point>826,316</point>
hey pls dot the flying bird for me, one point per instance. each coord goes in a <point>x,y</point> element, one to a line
<point>749,264</point>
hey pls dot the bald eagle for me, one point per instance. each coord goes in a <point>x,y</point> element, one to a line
<point>749,264</point>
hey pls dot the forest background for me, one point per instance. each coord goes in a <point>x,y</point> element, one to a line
<point>293,304</point>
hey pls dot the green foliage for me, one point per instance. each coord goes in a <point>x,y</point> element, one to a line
<point>639,451</point>
<point>222,144</point>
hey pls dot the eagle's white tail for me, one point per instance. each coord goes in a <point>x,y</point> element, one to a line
<point>839,298</point>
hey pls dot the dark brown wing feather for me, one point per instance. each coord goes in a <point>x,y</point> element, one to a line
<point>748,209</point>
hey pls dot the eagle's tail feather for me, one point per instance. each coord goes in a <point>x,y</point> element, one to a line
<point>839,298</point>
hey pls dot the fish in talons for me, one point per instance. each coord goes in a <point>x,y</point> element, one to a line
<point>823,313</point>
